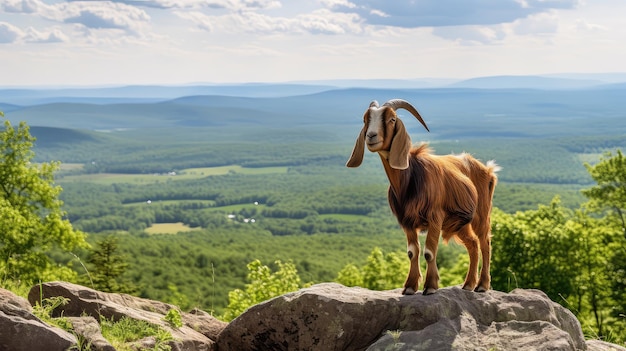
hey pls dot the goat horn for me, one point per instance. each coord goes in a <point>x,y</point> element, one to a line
<point>374,103</point>
<point>399,103</point>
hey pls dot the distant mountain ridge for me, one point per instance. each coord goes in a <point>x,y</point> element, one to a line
<point>527,82</point>
<point>156,93</point>
<point>451,113</point>
<point>504,106</point>
<point>151,93</point>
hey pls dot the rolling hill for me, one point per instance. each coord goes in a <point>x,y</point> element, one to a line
<point>451,113</point>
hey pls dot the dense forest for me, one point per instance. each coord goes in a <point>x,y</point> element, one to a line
<point>185,209</point>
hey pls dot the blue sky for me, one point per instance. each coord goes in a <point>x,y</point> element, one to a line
<point>65,42</point>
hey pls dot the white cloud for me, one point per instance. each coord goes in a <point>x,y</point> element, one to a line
<point>261,4</point>
<point>441,13</point>
<point>478,19</point>
<point>338,3</point>
<point>326,22</point>
<point>200,20</point>
<point>21,6</point>
<point>318,22</point>
<point>90,14</point>
<point>54,35</point>
<point>471,35</point>
<point>378,13</point>
<point>234,5</point>
<point>584,26</point>
<point>104,15</point>
<point>543,23</point>
<point>9,33</point>
<point>243,40</point>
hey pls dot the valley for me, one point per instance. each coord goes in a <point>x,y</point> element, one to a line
<point>195,187</point>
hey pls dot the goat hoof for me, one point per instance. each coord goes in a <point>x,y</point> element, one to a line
<point>408,291</point>
<point>429,291</point>
<point>467,287</point>
<point>480,289</point>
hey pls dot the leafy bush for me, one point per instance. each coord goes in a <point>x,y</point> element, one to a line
<point>264,284</point>
<point>174,318</point>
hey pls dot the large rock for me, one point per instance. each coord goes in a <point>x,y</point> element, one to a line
<point>86,301</point>
<point>8,298</point>
<point>21,330</point>
<point>89,329</point>
<point>204,323</point>
<point>333,317</point>
<point>323,317</point>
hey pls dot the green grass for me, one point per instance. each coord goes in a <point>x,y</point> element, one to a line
<point>345,217</point>
<point>171,202</point>
<point>185,174</point>
<point>119,333</point>
<point>126,330</point>
<point>112,178</point>
<point>208,171</point>
<point>71,166</point>
<point>238,207</point>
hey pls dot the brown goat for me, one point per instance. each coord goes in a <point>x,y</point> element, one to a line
<point>447,195</point>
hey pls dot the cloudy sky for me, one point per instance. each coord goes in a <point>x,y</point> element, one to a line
<point>66,42</point>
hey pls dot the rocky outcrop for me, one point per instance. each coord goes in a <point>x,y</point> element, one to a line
<point>84,301</point>
<point>21,330</point>
<point>334,317</point>
<point>89,329</point>
<point>323,317</point>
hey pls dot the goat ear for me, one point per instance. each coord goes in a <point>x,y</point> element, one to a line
<point>400,147</point>
<point>359,148</point>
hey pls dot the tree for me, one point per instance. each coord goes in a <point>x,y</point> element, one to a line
<point>590,300</point>
<point>568,255</point>
<point>609,197</point>
<point>384,272</point>
<point>31,218</point>
<point>263,286</point>
<point>108,267</point>
<point>381,272</point>
<point>350,275</point>
<point>535,249</point>
<point>610,191</point>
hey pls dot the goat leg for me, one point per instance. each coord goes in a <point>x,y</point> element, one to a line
<point>430,255</point>
<point>484,283</point>
<point>469,239</point>
<point>413,252</point>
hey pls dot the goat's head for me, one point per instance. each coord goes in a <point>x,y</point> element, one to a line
<point>384,132</point>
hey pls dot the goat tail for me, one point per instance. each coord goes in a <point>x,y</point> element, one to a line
<point>493,169</point>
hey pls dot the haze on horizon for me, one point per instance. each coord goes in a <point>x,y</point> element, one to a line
<point>66,42</point>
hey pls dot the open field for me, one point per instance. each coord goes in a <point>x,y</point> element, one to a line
<point>169,228</point>
<point>345,217</point>
<point>209,171</point>
<point>238,208</point>
<point>207,203</point>
<point>185,174</point>
<point>112,178</point>
<point>68,167</point>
